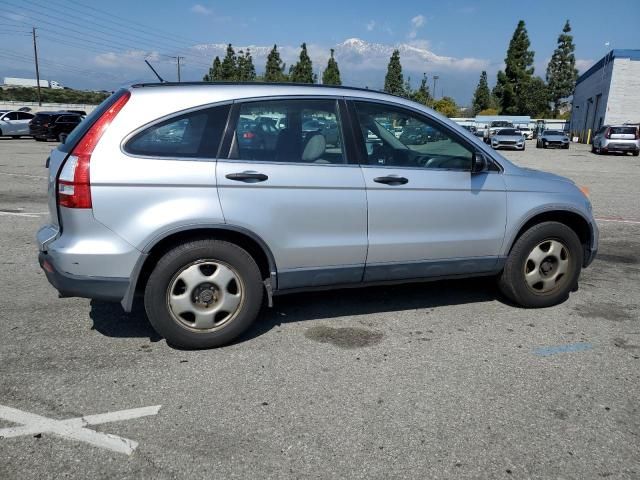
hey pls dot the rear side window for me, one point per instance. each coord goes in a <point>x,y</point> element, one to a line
<point>292,130</point>
<point>191,135</point>
<point>25,116</point>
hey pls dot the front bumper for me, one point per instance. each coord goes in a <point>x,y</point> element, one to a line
<point>110,289</point>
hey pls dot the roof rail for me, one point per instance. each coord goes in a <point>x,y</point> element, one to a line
<point>282,84</point>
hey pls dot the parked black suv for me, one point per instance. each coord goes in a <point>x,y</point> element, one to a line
<point>53,125</point>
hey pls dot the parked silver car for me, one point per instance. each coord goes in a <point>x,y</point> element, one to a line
<point>205,226</point>
<point>616,138</point>
<point>508,138</point>
<point>14,123</point>
<point>552,138</point>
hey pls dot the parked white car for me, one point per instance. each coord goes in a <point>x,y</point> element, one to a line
<point>15,124</point>
<point>526,132</point>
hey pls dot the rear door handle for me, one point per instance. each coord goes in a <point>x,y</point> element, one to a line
<point>248,177</point>
<point>391,180</point>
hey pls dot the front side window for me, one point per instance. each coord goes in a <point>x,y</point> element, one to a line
<point>25,116</point>
<point>11,116</point>
<point>300,131</point>
<point>401,138</point>
<point>192,135</point>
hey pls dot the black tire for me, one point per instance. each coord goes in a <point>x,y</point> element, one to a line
<point>538,144</point>
<point>566,147</point>
<point>37,139</point>
<point>15,136</point>
<point>156,293</point>
<point>636,153</point>
<point>593,149</point>
<point>512,281</point>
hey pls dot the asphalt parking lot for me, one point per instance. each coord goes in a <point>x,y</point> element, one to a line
<point>434,380</point>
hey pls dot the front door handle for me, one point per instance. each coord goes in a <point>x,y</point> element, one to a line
<point>391,180</point>
<point>248,177</point>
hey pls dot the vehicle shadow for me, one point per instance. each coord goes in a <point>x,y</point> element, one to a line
<point>110,319</point>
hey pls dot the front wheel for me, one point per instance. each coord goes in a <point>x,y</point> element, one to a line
<point>543,266</point>
<point>203,294</point>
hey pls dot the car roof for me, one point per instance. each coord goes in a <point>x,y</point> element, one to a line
<point>233,90</point>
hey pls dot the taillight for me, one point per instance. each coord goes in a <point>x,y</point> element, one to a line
<point>74,181</point>
<point>248,135</point>
<point>607,134</point>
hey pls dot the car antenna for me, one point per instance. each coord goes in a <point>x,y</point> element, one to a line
<point>154,71</point>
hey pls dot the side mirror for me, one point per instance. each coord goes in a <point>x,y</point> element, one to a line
<point>478,162</point>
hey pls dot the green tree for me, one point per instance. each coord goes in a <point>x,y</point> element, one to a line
<point>214,72</point>
<point>561,71</point>
<point>393,80</point>
<point>302,72</point>
<point>229,67</point>
<point>513,82</point>
<point>274,70</point>
<point>246,69</point>
<point>535,98</point>
<point>447,106</point>
<point>422,94</point>
<point>482,95</point>
<point>331,75</point>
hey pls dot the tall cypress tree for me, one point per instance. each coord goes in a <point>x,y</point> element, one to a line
<point>302,72</point>
<point>561,71</point>
<point>229,67</point>
<point>274,69</point>
<point>246,69</point>
<point>331,75</point>
<point>482,95</point>
<point>422,94</point>
<point>393,80</point>
<point>513,82</point>
<point>214,71</point>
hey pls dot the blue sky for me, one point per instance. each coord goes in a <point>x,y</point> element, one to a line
<point>90,44</point>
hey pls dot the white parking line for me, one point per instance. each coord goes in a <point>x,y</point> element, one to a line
<point>24,214</point>
<point>75,428</point>
<point>23,175</point>
<point>618,220</point>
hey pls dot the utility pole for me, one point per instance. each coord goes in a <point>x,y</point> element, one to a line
<point>35,54</point>
<point>435,80</point>
<point>178,58</point>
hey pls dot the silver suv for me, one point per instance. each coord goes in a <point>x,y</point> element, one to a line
<point>185,194</point>
<point>616,138</point>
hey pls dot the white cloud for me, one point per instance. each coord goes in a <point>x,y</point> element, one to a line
<point>583,64</point>
<point>417,23</point>
<point>201,9</point>
<point>371,25</point>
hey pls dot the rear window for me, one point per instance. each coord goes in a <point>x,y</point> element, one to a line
<point>84,125</point>
<point>623,130</point>
<point>191,135</point>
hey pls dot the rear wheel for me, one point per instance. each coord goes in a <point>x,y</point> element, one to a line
<point>15,136</point>
<point>203,294</point>
<point>636,153</point>
<point>543,266</point>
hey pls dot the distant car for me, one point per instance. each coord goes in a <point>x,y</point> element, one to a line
<point>508,138</point>
<point>494,127</point>
<point>257,134</point>
<point>53,125</point>
<point>329,130</point>
<point>552,138</point>
<point>616,138</point>
<point>14,123</point>
<point>526,132</point>
<point>414,135</point>
<point>470,128</point>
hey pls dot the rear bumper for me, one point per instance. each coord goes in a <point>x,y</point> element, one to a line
<point>110,289</point>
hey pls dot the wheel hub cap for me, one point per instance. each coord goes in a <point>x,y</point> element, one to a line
<point>546,266</point>
<point>205,295</point>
